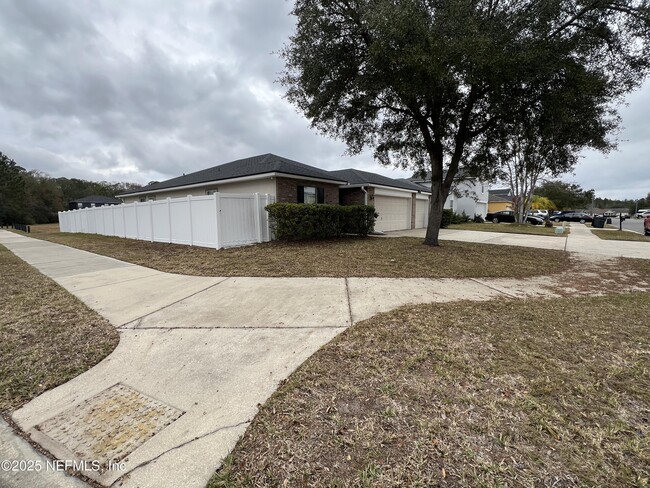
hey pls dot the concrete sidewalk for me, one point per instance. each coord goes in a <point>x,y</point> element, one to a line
<point>580,240</point>
<point>197,355</point>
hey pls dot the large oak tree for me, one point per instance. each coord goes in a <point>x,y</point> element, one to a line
<point>424,82</point>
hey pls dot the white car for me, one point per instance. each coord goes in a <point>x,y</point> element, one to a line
<point>542,214</point>
<point>640,212</point>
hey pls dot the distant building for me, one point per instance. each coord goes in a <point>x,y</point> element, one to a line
<point>500,199</point>
<point>93,201</point>
<point>469,195</point>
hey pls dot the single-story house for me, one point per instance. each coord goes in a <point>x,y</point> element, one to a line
<point>399,203</point>
<point>93,201</point>
<point>469,195</point>
<point>500,199</point>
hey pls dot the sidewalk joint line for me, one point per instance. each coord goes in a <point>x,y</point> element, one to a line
<point>173,303</point>
<point>347,292</point>
<point>141,465</point>
<point>493,288</point>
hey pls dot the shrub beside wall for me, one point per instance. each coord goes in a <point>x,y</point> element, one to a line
<point>298,221</point>
<point>450,217</point>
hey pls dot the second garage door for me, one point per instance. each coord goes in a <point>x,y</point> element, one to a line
<point>394,213</point>
<point>421,211</point>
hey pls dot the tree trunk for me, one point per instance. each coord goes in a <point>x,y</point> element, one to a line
<point>436,205</point>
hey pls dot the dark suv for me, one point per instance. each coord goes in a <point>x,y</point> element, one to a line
<point>573,217</point>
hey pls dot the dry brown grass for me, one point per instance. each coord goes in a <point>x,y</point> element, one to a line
<point>618,235</point>
<point>351,257</point>
<point>47,336</point>
<point>508,393</point>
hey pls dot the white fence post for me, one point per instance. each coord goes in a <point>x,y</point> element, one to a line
<point>266,218</point>
<point>137,226</point>
<point>258,223</point>
<point>189,211</point>
<point>217,207</point>
<point>151,218</point>
<point>113,218</point>
<point>124,220</point>
<point>169,217</point>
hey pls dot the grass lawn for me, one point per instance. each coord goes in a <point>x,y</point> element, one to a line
<point>47,336</point>
<point>617,235</point>
<point>538,230</point>
<point>508,393</point>
<point>371,257</point>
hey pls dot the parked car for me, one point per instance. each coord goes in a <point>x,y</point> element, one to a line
<point>646,224</point>
<point>561,212</point>
<point>573,217</point>
<point>509,216</point>
<point>542,214</point>
<point>639,213</point>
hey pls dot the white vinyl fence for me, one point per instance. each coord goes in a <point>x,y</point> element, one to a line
<point>219,220</point>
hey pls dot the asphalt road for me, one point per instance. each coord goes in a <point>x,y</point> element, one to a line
<point>633,224</point>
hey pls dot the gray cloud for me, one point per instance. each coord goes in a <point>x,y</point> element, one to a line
<point>152,89</point>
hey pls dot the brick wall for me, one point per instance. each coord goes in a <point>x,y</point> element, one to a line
<point>352,196</point>
<point>286,190</point>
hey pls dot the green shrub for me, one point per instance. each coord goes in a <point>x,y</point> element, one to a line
<point>478,219</point>
<point>298,221</point>
<point>463,218</point>
<point>447,218</point>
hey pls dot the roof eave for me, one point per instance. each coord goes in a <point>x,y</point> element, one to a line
<point>259,176</point>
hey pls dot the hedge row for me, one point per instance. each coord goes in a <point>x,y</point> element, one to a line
<point>298,221</point>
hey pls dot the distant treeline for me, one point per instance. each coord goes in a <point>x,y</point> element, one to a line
<point>32,197</point>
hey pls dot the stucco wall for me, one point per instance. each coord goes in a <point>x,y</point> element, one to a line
<point>266,185</point>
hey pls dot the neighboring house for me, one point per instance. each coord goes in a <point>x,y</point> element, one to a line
<point>287,180</point>
<point>500,199</point>
<point>93,201</point>
<point>399,203</point>
<point>469,195</point>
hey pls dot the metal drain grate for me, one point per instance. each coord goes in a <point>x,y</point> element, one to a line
<point>110,425</point>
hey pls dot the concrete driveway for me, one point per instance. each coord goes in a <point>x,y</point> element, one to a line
<point>196,357</point>
<point>580,240</point>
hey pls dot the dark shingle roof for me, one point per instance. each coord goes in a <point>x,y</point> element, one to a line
<point>358,177</point>
<point>500,195</point>
<point>423,186</point>
<point>256,165</point>
<point>97,199</point>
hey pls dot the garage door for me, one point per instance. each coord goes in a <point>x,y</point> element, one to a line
<point>394,213</point>
<point>421,213</point>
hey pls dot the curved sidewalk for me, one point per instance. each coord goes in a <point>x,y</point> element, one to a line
<point>197,355</point>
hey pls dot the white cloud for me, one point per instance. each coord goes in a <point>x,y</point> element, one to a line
<point>148,90</point>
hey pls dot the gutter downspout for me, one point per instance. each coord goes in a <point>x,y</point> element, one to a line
<point>365,196</point>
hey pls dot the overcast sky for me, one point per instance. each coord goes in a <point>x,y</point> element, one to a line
<point>148,90</point>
